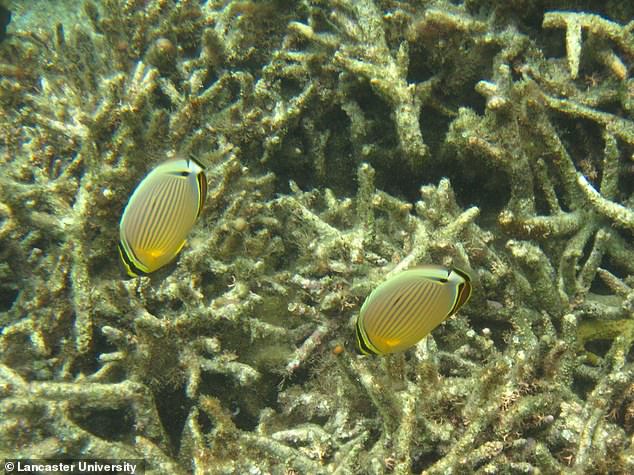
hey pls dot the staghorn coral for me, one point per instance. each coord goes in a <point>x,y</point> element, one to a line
<point>236,359</point>
<point>575,23</point>
<point>366,54</point>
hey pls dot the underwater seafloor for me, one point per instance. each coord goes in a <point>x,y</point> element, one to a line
<point>344,140</point>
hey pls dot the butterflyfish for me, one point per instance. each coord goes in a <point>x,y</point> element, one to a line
<point>159,215</point>
<point>408,306</point>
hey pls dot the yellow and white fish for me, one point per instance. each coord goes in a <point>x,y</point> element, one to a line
<point>408,306</point>
<point>159,215</point>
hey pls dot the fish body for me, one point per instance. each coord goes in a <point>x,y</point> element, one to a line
<point>160,214</point>
<point>406,307</point>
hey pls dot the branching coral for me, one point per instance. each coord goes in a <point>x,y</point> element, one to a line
<point>237,358</point>
<point>365,53</point>
<point>575,23</point>
<point>578,225</point>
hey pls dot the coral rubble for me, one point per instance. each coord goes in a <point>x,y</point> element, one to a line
<point>344,141</point>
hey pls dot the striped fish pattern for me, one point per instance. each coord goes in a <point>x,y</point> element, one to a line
<point>159,215</point>
<point>406,307</point>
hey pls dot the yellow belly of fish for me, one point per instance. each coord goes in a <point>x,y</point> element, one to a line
<point>156,253</point>
<point>392,342</point>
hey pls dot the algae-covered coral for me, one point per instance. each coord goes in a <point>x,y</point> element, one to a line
<point>345,141</point>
